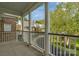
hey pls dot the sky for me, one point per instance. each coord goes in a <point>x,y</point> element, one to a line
<point>39,13</point>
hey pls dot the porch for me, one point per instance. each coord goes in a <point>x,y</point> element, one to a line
<point>33,43</point>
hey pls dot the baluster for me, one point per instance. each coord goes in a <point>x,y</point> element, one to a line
<point>75,47</point>
<point>60,47</point>
<point>53,46</point>
<point>57,37</point>
<point>65,45</point>
<point>2,36</point>
<point>6,36</point>
<point>69,47</point>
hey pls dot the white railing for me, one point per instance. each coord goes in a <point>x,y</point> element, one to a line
<point>18,37</point>
<point>63,45</point>
<point>7,36</point>
<point>60,44</point>
<point>26,36</point>
<point>38,39</point>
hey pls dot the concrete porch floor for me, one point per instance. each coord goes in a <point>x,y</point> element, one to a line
<point>13,48</point>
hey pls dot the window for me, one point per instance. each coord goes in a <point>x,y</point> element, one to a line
<point>7,27</point>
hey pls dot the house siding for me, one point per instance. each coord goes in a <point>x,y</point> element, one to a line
<point>11,35</point>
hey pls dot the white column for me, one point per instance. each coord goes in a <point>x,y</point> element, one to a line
<point>29,29</point>
<point>47,28</point>
<point>22,27</point>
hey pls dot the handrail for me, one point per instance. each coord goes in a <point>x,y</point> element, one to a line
<point>63,35</point>
<point>7,31</point>
<point>31,31</point>
<point>53,34</point>
<point>37,32</point>
<point>55,49</point>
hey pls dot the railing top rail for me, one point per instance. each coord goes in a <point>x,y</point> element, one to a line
<point>63,35</point>
<point>7,31</point>
<point>31,31</point>
<point>37,32</point>
<point>53,34</point>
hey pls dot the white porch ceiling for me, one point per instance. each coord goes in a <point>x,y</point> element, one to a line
<point>17,8</point>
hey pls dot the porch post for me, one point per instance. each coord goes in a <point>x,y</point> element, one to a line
<point>29,28</point>
<point>47,28</point>
<point>22,27</point>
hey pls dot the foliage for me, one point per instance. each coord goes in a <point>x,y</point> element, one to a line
<point>65,18</point>
<point>40,21</point>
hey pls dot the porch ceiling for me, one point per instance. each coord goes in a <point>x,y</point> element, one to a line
<point>17,8</point>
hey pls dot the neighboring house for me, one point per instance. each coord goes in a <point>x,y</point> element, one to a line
<point>35,26</point>
<point>38,27</point>
<point>26,25</point>
<point>18,26</point>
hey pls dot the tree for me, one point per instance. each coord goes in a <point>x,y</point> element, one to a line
<point>65,18</point>
<point>40,21</point>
